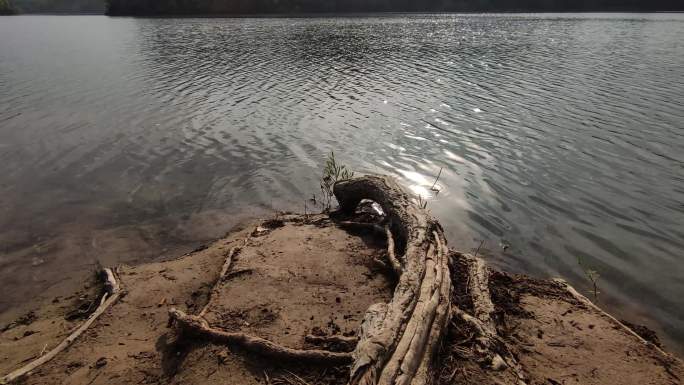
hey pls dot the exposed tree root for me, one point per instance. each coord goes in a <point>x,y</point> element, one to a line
<point>380,230</point>
<point>198,326</point>
<point>489,348</point>
<point>330,339</point>
<point>222,275</point>
<point>111,295</point>
<point>478,289</point>
<point>398,340</point>
<point>365,226</point>
<point>336,343</point>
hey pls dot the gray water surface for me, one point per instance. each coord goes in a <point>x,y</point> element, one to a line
<point>560,136</point>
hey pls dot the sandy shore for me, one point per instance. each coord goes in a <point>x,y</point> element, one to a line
<point>304,283</point>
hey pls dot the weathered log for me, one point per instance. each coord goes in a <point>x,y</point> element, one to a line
<point>397,345</point>
<point>111,295</point>
<point>199,327</point>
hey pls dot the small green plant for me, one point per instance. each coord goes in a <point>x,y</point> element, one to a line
<point>40,248</point>
<point>332,173</point>
<point>422,203</point>
<point>592,275</point>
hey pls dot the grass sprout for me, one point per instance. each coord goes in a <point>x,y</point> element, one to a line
<point>592,275</point>
<point>332,173</point>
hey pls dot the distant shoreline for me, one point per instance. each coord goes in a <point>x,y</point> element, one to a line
<point>329,14</point>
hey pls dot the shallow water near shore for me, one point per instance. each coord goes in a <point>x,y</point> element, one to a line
<point>559,136</point>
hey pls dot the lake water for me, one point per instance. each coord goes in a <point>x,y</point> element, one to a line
<point>559,136</point>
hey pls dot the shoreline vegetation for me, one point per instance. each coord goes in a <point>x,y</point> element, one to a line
<point>53,7</point>
<point>370,293</point>
<point>6,8</point>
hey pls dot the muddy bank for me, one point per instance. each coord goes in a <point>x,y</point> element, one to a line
<point>292,300</point>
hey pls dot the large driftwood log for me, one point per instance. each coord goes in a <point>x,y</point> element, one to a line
<point>398,340</point>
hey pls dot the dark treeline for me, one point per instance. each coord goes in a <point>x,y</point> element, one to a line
<point>237,7</point>
<point>55,6</point>
<point>6,8</point>
<point>246,7</point>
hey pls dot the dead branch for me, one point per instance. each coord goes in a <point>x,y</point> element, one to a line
<point>112,294</point>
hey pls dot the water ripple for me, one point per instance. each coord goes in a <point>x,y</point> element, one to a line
<point>561,136</point>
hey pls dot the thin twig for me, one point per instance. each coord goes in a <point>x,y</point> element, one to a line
<point>478,248</point>
<point>434,184</point>
<point>298,378</point>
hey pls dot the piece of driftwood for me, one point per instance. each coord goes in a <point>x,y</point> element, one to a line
<point>199,327</point>
<point>398,340</point>
<point>111,295</point>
